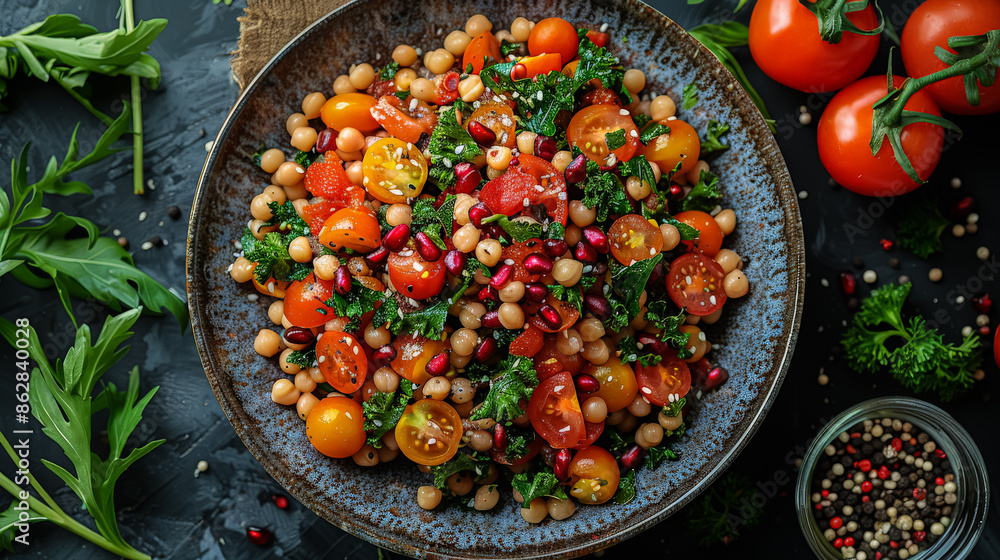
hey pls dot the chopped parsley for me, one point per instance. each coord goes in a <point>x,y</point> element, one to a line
<point>704,195</point>
<point>287,219</point>
<point>355,303</point>
<point>478,465</point>
<point>305,159</point>
<point>538,484</point>
<point>659,454</point>
<point>690,96</point>
<point>450,143</point>
<point>271,256</point>
<point>674,409</point>
<point>571,295</point>
<point>713,143</point>
<point>255,157</point>
<point>652,132</point>
<point>638,167</point>
<point>627,285</point>
<point>603,191</point>
<point>430,220</point>
<point>383,410</point>
<point>630,353</point>
<point>302,358</point>
<point>920,228</point>
<point>641,119</point>
<point>669,324</point>
<point>615,139</point>
<point>507,48</point>
<point>626,489</point>
<point>388,71</point>
<point>515,379</point>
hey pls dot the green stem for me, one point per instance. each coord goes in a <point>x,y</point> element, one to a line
<point>31,478</point>
<point>84,101</point>
<point>137,180</point>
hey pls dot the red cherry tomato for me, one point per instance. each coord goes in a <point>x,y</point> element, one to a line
<point>304,302</point>
<point>499,118</point>
<point>669,377</point>
<point>709,241</point>
<point>633,239</point>
<point>554,35</point>
<point>550,361</point>
<point>588,128</point>
<point>484,47</point>
<point>329,180</point>
<point>529,342</point>
<point>555,412</point>
<point>597,38</point>
<point>594,431</point>
<point>342,361</point>
<point>413,276</point>
<point>506,194</point>
<point>533,448</point>
<point>845,130</point>
<point>317,213</point>
<point>930,26</point>
<point>785,43</point>
<point>594,476</point>
<point>412,354</point>
<point>695,282</point>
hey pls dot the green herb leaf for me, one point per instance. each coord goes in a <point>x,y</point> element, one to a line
<point>450,144</point>
<point>572,295</point>
<point>10,519</point>
<point>652,132</point>
<point>515,379</point>
<point>659,454</point>
<point>690,96</point>
<point>538,484</point>
<point>627,285</point>
<point>658,313</point>
<point>519,230</point>
<point>288,220</point>
<point>615,139</point>
<point>303,358</point>
<point>478,465</point>
<point>713,143</point>
<point>674,409</point>
<point>507,48</point>
<point>920,228</point>
<point>52,179</point>
<point>427,322</point>
<point>704,195</point>
<point>638,167</point>
<point>305,159</point>
<point>388,71</point>
<point>641,120</point>
<point>626,489</point>
<point>383,411</point>
<point>603,191</point>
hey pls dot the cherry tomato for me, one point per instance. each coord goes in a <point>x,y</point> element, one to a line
<point>554,35</point>
<point>695,282</point>
<point>304,299</point>
<point>618,385</point>
<point>785,43</point>
<point>550,361</point>
<point>588,128</point>
<point>342,361</point>
<point>594,431</point>
<point>405,120</point>
<point>600,96</point>
<point>709,240</point>
<point>446,88</point>
<point>412,354</point>
<point>335,427</point>
<point>499,118</point>
<point>541,64</point>
<point>567,311</point>
<point>394,170</point>
<point>996,347</point>
<point>555,412</point>
<point>329,180</point>
<point>483,47</point>
<point>271,288</point>
<point>506,194</point>
<point>845,130</point>
<point>517,251</point>
<point>553,184</point>
<point>315,214</point>
<point>669,377</point>
<point>349,109</point>
<point>429,432</point>
<point>413,276</point>
<point>680,145</point>
<point>594,476</point>
<point>633,239</point>
<point>930,26</point>
<point>354,228</point>
<point>597,38</point>
<point>529,342</point>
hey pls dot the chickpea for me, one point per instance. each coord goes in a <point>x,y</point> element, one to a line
<point>498,157</point>
<point>656,171</point>
<point>377,336</point>
<point>713,317</point>
<point>275,193</point>
<point>267,343</point>
<point>275,311</point>
<point>561,160</point>
<point>404,55</point>
<point>305,404</point>
<point>304,138</point>
<point>358,266</point>
<point>259,208</point>
<point>471,88</point>
<point>385,454</point>
<point>284,392</point>
<point>492,173</point>
<point>295,120</point>
<point>457,41</point>
<point>440,61</point>
<point>652,433</point>
<point>399,214</point>
<point>560,509</point>
<point>469,319</point>
<point>726,220</point>
<point>437,388</point>
<point>639,407</point>
<point>355,173</point>
<point>460,483</point>
<point>367,456</point>
<point>312,104</point>
<point>511,315</point>
<point>463,341</point>
<point>581,214</point>
<point>423,89</point>
<point>487,251</point>
<point>637,188</point>
<point>350,139</point>
<point>596,352</point>
<point>404,78</point>
<point>316,375</point>
<point>728,260</point>
<point>325,266</point>
<point>487,498</point>
<point>697,342</point>
<point>242,270</point>
<point>520,29</point>
<point>285,365</point>
<point>289,173</point>
<point>568,342</point>
<point>463,204</point>
<point>336,324</point>
<point>271,159</point>
<point>477,25</point>
<point>591,329</point>
<point>663,107</point>
<point>526,142</point>
<point>567,271</point>
<point>671,236</point>
<point>462,391</point>
<point>466,239</point>
<point>634,80</point>
<point>736,284</point>
<point>512,292</point>
<point>536,512</point>
<point>386,379</point>
<point>670,422</point>
<point>303,382</point>
<point>573,234</point>
<point>481,278</point>
<point>300,250</point>
<point>361,77</point>
<point>343,85</point>
<point>460,361</point>
<point>258,228</point>
<point>694,175</point>
<point>595,410</point>
<point>297,192</point>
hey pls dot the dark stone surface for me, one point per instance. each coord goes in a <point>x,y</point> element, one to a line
<point>166,511</point>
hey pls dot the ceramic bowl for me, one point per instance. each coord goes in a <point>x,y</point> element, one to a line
<point>754,341</point>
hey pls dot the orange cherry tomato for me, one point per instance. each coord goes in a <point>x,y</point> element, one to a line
<point>394,170</point>
<point>550,361</point>
<point>304,302</point>
<point>697,343</point>
<point>695,282</point>
<point>597,38</point>
<point>271,288</point>
<point>483,47</point>
<point>710,239</point>
<point>541,64</point>
<point>499,118</point>
<point>566,310</point>
<point>618,385</point>
<point>633,239</point>
<point>554,35</point>
<point>555,412</point>
<point>335,427</point>
<point>588,129</point>
<point>349,110</point>
<point>594,476</point>
<point>405,120</point>
<point>429,432</point>
<point>342,361</point>
<point>681,145</point>
<point>413,276</point>
<point>657,382</point>
<point>412,354</point>
<point>354,228</point>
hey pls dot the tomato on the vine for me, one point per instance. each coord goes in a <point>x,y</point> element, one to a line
<point>335,427</point>
<point>341,360</point>
<point>304,302</point>
<point>589,127</point>
<point>354,228</point>
<point>786,44</point>
<point>594,476</point>
<point>633,239</point>
<point>415,277</point>
<point>709,239</point>
<point>429,432</point>
<point>555,413</point>
<point>845,131</point>
<point>695,282</point>
<point>657,382</point>
<point>394,170</point>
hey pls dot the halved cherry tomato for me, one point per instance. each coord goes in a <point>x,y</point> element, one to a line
<point>618,385</point>
<point>354,228</point>
<point>709,241</point>
<point>566,310</point>
<point>529,342</point>
<point>317,213</point>
<point>405,120</point>
<point>695,282</point>
<point>633,239</point>
<point>304,302</point>
<point>597,38</point>
<point>381,87</point>
<point>555,412</point>
<point>446,88</point>
<point>600,96</point>
<point>341,360</point>
<point>681,145</point>
<point>271,288</point>
<point>484,46</point>
<point>541,64</point>
<point>329,180</point>
<point>499,118</point>
<point>588,129</point>
<point>594,476</point>
<point>669,377</point>
<point>335,427</point>
<point>412,354</point>
<point>429,432</point>
<point>553,184</point>
<point>506,194</point>
<point>394,170</point>
<point>414,277</point>
<point>554,35</point>
<point>550,361</point>
<point>517,251</point>
<point>349,109</point>
<point>594,431</point>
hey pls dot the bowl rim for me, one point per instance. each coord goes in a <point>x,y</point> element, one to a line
<point>788,203</point>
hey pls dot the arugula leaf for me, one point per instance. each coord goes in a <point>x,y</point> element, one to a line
<point>11,518</point>
<point>652,132</point>
<point>690,96</point>
<point>288,220</point>
<point>626,489</point>
<point>713,143</point>
<point>658,454</point>
<point>627,284</point>
<point>538,484</point>
<point>383,411</point>
<point>388,71</point>
<point>920,227</point>
<point>519,230</point>
<point>478,465</point>
<point>515,379</point>
<point>615,139</point>
<point>705,195</point>
<point>303,358</point>
<point>450,144</point>
<point>52,178</point>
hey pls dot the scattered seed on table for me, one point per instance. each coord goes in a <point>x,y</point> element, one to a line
<point>123,242</point>
<point>147,245</point>
<point>972,218</point>
<point>983,253</point>
<point>151,184</point>
<point>805,119</point>
<point>202,466</point>
<point>156,240</point>
<point>823,379</point>
<point>116,232</point>
<point>174,212</point>
<point>142,216</point>
<point>956,183</point>
<point>960,299</point>
<point>979,375</point>
<point>870,277</point>
<point>201,133</point>
<point>971,229</point>
<point>824,282</point>
<point>966,330</point>
<point>958,230</point>
<point>904,279</point>
<point>982,319</point>
<point>208,145</point>
<point>935,275</point>
<point>803,195</point>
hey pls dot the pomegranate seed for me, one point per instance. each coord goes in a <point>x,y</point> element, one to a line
<point>576,171</point>
<point>963,207</point>
<point>536,291</point>
<point>280,501</point>
<point>299,335</point>
<point>598,305</point>
<point>454,261</point>
<point>469,178</point>
<point>561,466</point>
<point>258,535</point>
<point>545,147</point>
<point>716,377</point>
<point>378,256</point>
<point>940,454</point>
<point>585,253</point>
<point>499,437</point>
<point>597,239</point>
<point>632,458</point>
<point>550,316</point>
<point>481,134</point>
<point>982,303</point>
<point>427,249</point>
<point>676,191</point>
<point>537,263</point>
<point>342,280</point>
<point>326,140</point>
<point>439,365</point>
<point>491,320</point>
<point>587,383</point>
<point>488,346</point>
<point>847,282</point>
<point>478,213</point>
<point>384,354</point>
<point>488,293</point>
<point>555,247</point>
<point>886,244</point>
<point>839,542</point>
<point>397,237</point>
<point>502,276</point>
<point>518,72</point>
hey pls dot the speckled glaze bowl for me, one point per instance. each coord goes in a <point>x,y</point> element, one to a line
<point>754,341</point>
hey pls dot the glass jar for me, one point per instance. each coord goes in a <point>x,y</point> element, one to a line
<point>969,515</point>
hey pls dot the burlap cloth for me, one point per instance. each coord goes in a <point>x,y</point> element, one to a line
<point>267,26</point>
